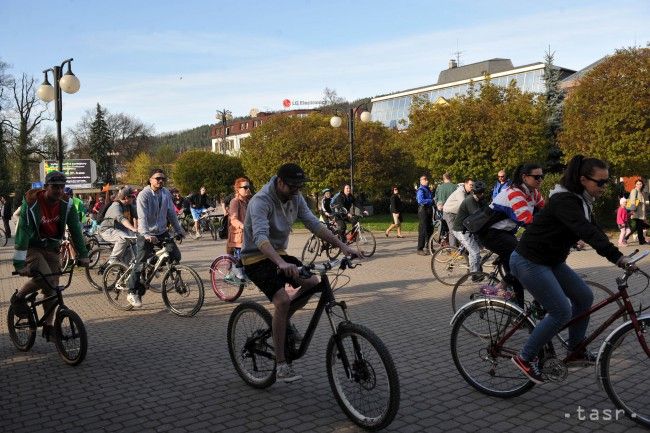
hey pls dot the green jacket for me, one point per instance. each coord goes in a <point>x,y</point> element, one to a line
<point>28,236</point>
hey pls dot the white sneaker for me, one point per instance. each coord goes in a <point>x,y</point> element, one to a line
<point>285,373</point>
<point>239,273</point>
<point>134,300</point>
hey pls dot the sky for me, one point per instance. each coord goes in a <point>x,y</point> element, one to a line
<point>173,64</point>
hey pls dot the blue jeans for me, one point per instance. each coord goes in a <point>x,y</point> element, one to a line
<point>561,292</point>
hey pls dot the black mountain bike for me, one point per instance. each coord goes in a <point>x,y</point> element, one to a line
<point>360,369</point>
<point>69,336</point>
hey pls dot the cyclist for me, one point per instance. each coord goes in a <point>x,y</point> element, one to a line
<point>472,203</point>
<point>343,199</point>
<point>517,204</point>
<point>269,217</point>
<point>198,205</point>
<point>450,208</point>
<point>325,205</point>
<point>236,218</point>
<point>118,223</point>
<point>155,211</point>
<point>44,216</point>
<point>539,261</point>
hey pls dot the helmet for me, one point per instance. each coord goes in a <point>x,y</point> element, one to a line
<point>67,190</point>
<point>479,186</point>
<point>326,190</point>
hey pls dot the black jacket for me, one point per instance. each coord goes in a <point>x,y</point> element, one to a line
<point>558,226</point>
<point>395,204</point>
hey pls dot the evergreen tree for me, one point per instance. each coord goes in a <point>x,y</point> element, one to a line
<point>100,147</point>
<point>554,98</point>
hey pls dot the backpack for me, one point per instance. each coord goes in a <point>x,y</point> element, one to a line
<point>482,219</point>
<point>222,232</point>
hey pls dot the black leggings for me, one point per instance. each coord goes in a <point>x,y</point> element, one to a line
<point>503,243</point>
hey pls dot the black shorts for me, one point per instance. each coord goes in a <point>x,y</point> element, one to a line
<point>266,277</point>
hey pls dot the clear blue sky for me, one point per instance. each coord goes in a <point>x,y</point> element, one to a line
<point>172,64</point>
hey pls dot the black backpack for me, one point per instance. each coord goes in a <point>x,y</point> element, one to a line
<point>223,229</point>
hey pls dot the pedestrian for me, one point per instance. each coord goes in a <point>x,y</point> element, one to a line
<point>637,202</point>
<point>425,214</point>
<point>623,222</point>
<point>236,217</point>
<point>199,203</point>
<point>502,183</point>
<point>6,213</point>
<point>450,208</point>
<point>396,211</point>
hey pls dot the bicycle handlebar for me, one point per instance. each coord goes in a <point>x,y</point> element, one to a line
<point>306,271</point>
<point>37,274</point>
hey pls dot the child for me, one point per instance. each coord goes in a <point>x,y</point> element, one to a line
<point>623,222</point>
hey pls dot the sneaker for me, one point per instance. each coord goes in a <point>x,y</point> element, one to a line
<point>134,300</point>
<point>19,305</point>
<point>285,373</point>
<point>530,369</point>
<point>584,359</point>
<point>495,291</point>
<point>477,278</point>
<point>232,279</point>
<point>239,273</point>
<point>422,253</point>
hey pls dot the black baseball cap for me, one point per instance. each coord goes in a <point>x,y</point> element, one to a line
<point>292,174</point>
<point>55,178</point>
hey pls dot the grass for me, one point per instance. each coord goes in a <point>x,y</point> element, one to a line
<point>379,223</point>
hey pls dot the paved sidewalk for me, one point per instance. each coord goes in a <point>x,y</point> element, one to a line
<point>149,370</point>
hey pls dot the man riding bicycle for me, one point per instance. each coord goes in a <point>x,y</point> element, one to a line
<point>155,210</point>
<point>117,224</point>
<point>269,217</point>
<point>44,216</point>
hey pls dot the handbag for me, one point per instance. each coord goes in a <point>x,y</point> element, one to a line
<point>632,204</point>
<point>482,219</point>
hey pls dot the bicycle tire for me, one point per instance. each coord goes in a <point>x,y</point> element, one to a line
<point>372,370</point>
<point>70,336</point>
<point>479,361</point>
<point>624,371</point>
<point>95,276</point>
<point>182,291</point>
<point>220,268</point>
<point>3,238</point>
<point>22,332</point>
<point>311,250</point>
<point>250,344</point>
<point>93,257</point>
<point>366,242</point>
<point>115,286</point>
<point>448,265</point>
<point>434,240</point>
<point>468,288</point>
<point>332,251</point>
<point>92,242</point>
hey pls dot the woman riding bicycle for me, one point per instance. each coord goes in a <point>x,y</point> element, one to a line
<point>519,202</point>
<point>539,261</point>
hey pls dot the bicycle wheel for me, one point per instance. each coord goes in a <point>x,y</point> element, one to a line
<point>93,257</point>
<point>3,238</point>
<point>115,285</point>
<point>92,242</point>
<point>224,284</point>
<point>597,318</point>
<point>483,363</point>
<point>250,344</point>
<point>448,265</point>
<point>366,243</point>
<point>625,371</point>
<point>368,389</point>
<point>434,239</point>
<point>95,276</point>
<point>182,291</point>
<point>70,336</point>
<point>22,332</point>
<point>332,251</point>
<point>311,250</point>
<point>468,288</point>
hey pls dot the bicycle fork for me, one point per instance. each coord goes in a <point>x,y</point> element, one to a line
<point>339,343</point>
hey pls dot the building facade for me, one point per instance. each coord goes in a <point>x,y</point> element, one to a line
<point>393,110</point>
<point>229,142</point>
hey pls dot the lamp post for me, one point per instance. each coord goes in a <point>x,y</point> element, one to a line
<point>69,83</point>
<point>223,116</point>
<point>115,155</point>
<point>336,122</point>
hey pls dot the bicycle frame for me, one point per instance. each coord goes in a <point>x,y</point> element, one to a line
<point>58,295</point>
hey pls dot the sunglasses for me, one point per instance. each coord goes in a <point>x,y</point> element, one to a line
<point>599,182</point>
<point>160,179</point>
<point>537,177</point>
<point>244,186</point>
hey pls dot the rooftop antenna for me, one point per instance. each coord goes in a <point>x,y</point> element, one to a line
<point>457,54</point>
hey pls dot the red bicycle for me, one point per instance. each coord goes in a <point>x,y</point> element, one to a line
<point>227,282</point>
<point>487,333</point>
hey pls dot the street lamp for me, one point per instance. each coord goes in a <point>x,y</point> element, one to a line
<point>69,83</point>
<point>223,116</point>
<point>336,122</point>
<point>114,154</point>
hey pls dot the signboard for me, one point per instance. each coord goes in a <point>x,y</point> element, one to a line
<point>80,173</point>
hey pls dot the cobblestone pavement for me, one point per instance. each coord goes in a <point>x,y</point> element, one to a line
<point>149,370</point>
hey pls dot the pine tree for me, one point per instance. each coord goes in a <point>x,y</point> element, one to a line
<point>554,108</point>
<point>100,147</point>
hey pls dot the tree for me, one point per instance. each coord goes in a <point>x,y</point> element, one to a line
<point>478,133</point>
<point>323,152</point>
<point>216,172</point>
<point>5,86</point>
<point>330,97</point>
<point>100,147</point>
<point>554,98</point>
<point>607,115</point>
<point>138,169</point>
